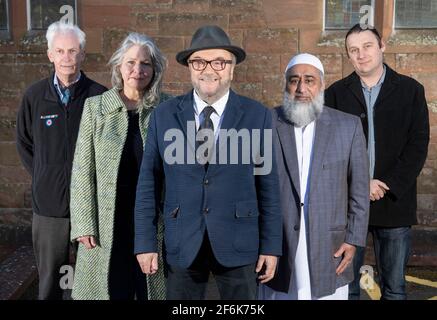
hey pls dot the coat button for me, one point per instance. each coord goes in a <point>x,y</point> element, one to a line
<point>296,227</point>
<point>362,116</point>
<point>206,182</point>
<point>301,204</point>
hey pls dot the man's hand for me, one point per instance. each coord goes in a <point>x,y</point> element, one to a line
<point>268,265</point>
<point>377,189</point>
<point>148,262</point>
<point>88,241</point>
<point>347,251</point>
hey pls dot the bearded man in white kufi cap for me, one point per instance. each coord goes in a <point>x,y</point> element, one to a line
<point>323,173</point>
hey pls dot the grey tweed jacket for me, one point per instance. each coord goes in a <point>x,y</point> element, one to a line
<point>102,133</point>
<point>338,197</point>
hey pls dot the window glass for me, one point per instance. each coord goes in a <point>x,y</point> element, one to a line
<point>45,12</point>
<point>343,14</point>
<point>416,14</point>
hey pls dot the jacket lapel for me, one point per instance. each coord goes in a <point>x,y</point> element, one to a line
<point>288,146</point>
<point>231,118</point>
<point>354,84</point>
<point>144,121</point>
<point>322,138</point>
<point>111,101</point>
<point>233,113</point>
<point>390,83</point>
<point>115,123</point>
<point>185,115</point>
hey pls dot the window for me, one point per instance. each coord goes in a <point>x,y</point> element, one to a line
<point>413,14</point>
<point>343,14</point>
<point>42,13</point>
<point>4,19</point>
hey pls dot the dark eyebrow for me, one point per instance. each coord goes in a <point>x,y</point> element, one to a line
<point>217,58</point>
<point>305,76</point>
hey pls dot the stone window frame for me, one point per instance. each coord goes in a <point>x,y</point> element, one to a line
<point>38,31</point>
<point>5,34</point>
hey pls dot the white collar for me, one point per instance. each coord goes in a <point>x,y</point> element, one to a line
<point>308,128</point>
<point>219,106</point>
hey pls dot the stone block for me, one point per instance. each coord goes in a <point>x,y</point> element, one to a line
<point>185,24</point>
<point>269,40</point>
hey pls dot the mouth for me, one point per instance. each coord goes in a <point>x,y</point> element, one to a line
<point>209,79</point>
<point>303,99</point>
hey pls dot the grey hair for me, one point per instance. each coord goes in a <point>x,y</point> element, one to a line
<point>159,64</point>
<point>59,27</point>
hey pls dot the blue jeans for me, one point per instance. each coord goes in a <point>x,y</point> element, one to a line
<point>354,286</point>
<point>392,250</point>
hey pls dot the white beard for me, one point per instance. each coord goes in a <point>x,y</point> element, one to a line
<point>302,113</point>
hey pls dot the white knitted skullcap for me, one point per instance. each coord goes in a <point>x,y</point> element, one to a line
<point>305,58</point>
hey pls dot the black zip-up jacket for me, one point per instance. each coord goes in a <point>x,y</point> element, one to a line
<point>46,138</point>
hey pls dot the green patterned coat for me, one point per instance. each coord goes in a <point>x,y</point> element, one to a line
<point>102,134</point>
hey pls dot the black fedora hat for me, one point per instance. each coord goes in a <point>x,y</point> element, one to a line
<point>210,37</point>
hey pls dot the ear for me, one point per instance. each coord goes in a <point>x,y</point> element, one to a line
<point>232,71</point>
<point>50,55</point>
<point>383,45</point>
<point>82,56</point>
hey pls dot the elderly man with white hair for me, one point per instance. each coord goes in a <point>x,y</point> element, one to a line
<point>47,128</point>
<point>323,173</point>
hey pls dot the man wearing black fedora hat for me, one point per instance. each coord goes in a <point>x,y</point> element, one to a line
<point>220,217</point>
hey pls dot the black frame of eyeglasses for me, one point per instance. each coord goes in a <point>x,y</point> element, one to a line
<point>224,63</point>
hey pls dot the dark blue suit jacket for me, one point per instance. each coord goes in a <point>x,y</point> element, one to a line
<point>239,210</point>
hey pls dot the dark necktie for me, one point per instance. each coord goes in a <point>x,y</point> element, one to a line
<point>206,123</point>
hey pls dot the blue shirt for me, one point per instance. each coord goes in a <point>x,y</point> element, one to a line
<point>59,87</point>
<point>370,96</point>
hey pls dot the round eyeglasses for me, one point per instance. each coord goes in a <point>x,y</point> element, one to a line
<point>217,65</point>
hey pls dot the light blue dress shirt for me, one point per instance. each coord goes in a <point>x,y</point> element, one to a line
<point>370,96</point>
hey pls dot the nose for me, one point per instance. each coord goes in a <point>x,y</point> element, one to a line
<point>137,68</point>
<point>66,56</point>
<point>300,88</point>
<point>208,68</point>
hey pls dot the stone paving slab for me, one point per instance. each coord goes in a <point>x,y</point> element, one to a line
<point>17,272</point>
<point>5,251</point>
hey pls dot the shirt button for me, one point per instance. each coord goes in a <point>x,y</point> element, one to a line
<point>296,227</point>
<point>301,204</point>
<point>206,210</point>
<point>206,182</point>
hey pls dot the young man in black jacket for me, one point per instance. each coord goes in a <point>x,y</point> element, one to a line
<point>47,128</point>
<point>394,115</point>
